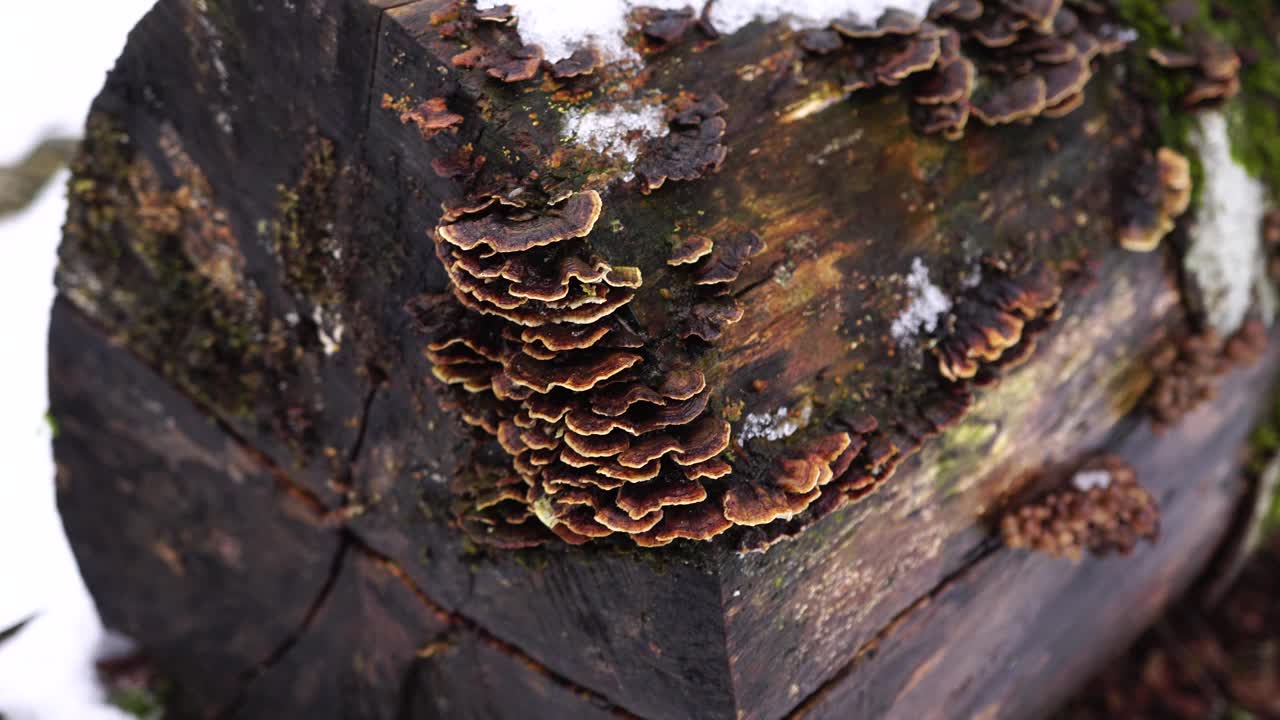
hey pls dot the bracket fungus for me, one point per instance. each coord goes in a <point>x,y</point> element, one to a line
<point>1161,195</point>
<point>1186,369</point>
<point>602,437</point>
<point>993,326</point>
<point>997,61</point>
<point>1213,65</point>
<point>431,116</point>
<point>1104,510</point>
<point>691,148</point>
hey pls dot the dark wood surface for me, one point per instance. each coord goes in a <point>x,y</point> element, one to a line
<point>247,355</point>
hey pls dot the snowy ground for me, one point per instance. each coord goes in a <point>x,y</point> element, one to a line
<point>53,60</point>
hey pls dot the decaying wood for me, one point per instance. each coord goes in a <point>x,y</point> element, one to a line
<point>283,470</point>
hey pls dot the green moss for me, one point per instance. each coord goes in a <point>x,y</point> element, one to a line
<point>52,423</point>
<point>303,236</point>
<point>140,702</point>
<point>1250,26</point>
<point>123,262</point>
<point>1162,89</point>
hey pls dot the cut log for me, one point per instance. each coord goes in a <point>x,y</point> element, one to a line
<point>340,434</point>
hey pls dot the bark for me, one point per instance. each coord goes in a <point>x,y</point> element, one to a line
<point>260,476</point>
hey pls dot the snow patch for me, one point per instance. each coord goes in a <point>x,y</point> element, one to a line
<point>774,426</point>
<point>561,27</point>
<point>1088,480</point>
<point>619,131</point>
<point>1226,255</point>
<point>928,303</point>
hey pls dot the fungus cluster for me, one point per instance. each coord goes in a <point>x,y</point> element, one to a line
<point>994,326</point>
<point>691,148</point>
<point>1104,511</point>
<point>999,61</point>
<point>601,437</point>
<point>1186,369</point>
<point>870,457</point>
<point>496,47</point>
<point>713,265</point>
<point>1162,194</point>
<point>1213,66</point>
<point>431,116</point>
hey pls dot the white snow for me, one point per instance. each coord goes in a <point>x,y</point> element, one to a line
<point>1090,479</point>
<point>1226,254</point>
<point>48,83</point>
<point>928,302</point>
<point>619,131</point>
<point>774,426</point>
<point>562,26</point>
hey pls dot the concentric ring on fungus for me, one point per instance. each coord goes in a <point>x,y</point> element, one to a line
<point>601,439</point>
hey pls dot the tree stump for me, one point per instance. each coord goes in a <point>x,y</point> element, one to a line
<point>400,371</point>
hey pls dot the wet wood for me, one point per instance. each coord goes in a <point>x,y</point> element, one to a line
<point>232,345</point>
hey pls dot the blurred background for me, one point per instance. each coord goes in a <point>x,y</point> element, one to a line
<point>53,59</point>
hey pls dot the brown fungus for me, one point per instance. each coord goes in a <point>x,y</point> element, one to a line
<point>1103,510</point>
<point>1186,369</point>
<point>991,319</point>
<point>1162,193</point>
<point>1021,99</point>
<point>664,27</point>
<point>574,218</point>
<point>1003,62</point>
<point>690,250</point>
<point>431,117</point>
<point>541,367</point>
<point>516,65</point>
<point>582,61</point>
<point>692,146</point>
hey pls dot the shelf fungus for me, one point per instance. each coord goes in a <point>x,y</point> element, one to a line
<point>999,62</point>
<point>1162,193</point>
<point>712,266</point>
<point>431,116</point>
<point>1214,68</point>
<point>1103,510</point>
<point>993,326</point>
<point>493,44</point>
<point>691,148</point>
<point>1186,369</point>
<point>602,438</point>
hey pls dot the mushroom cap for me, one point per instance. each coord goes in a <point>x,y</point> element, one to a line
<point>1022,98</point>
<point>666,26</point>
<point>583,371</point>
<point>685,153</point>
<point>707,320</point>
<point>518,65</point>
<point>574,218</point>
<point>1064,80</point>
<point>560,338</point>
<point>950,82</point>
<point>640,499</point>
<point>1069,105</point>
<point>1037,11</point>
<point>751,504</point>
<point>918,53</point>
<point>582,61</point>
<point>690,250</point>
